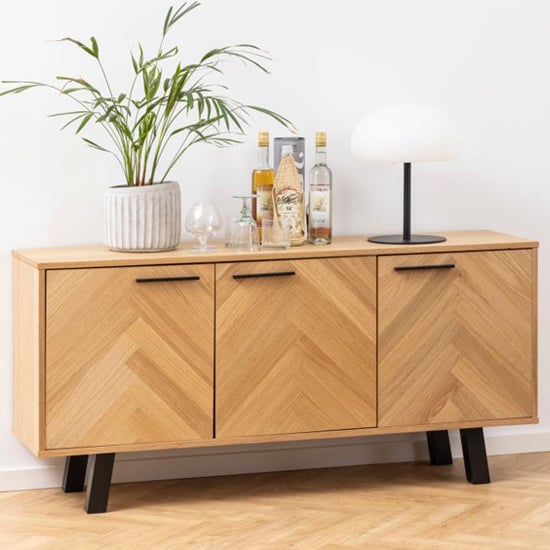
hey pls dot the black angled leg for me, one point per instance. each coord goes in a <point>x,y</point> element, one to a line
<point>74,475</point>
<point>439,447</point>
<point>99,483</point>
<point>475,455</point>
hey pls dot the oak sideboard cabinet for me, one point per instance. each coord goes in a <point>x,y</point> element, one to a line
<point>118,352</point>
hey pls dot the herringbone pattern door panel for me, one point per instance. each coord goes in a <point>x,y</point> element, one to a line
<point>129,362</point>
<point>295,353</point>
<point>455,343</point>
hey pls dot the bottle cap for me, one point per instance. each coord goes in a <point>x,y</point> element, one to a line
<point>263,139</point>
<point>321,139</point>
<point>287,150</point>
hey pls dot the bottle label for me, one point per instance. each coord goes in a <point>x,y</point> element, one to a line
<point>264,203</point>
<point>289,208</point>
<point>319,208</point>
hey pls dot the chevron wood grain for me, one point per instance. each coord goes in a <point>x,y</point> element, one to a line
<point>295,353</point>
<point>456,344</point>
<point>408,506</point>
<point>128,362</point>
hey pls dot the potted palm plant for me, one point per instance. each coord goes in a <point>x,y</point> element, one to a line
<point>168,108</point>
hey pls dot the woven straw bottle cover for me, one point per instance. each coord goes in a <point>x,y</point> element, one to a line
<point>288,189</point>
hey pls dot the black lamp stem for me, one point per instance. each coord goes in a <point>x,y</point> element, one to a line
<point>406,237</point>
<point>407,202</point>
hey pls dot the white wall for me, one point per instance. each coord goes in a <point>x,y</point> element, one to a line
<point>485,61</point>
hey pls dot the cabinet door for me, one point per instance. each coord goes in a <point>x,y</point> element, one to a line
<point>127,361</point>
<point>455,337</point>
<point>295,346</point>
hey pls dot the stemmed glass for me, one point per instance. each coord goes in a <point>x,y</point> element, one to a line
<point>245,231</point>
<point>203,222</point>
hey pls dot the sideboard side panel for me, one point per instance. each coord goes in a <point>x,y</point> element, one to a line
<point>28,353</point>
<point>534,330</point>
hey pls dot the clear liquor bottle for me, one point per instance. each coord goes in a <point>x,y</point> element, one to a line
<point>263,177</point>
<point>320,194</point>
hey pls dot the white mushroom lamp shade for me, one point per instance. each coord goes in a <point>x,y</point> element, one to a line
<point>407,134</point>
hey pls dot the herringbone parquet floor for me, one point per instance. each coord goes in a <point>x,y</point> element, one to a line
<point>395,506</point>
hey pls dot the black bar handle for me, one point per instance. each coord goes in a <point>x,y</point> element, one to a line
<point>258,275</point>
<point>167,279</point>
<point>422,267</point>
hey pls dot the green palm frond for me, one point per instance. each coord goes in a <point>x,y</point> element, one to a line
<point>164,113</point>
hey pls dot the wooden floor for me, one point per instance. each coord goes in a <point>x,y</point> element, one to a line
<point>397,506</point>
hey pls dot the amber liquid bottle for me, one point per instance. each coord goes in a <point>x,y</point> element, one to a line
<point>263,177</point>
<point>320,195</point>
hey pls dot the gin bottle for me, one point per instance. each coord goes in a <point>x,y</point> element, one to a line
<point>320,194</point>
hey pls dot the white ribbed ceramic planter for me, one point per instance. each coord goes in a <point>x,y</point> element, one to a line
<point>144,218</point>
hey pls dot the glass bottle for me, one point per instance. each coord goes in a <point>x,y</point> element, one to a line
<point>263,177</point>
<point>288,199</point>
<point>320,194</point>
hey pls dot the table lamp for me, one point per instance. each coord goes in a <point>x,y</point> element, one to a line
<point>407,134</point>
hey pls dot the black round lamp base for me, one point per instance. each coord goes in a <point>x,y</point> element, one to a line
<point>414,239</point>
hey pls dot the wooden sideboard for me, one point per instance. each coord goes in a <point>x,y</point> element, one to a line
<point>118,352</point>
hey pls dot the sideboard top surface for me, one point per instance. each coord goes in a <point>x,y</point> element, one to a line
<point>101,256</point>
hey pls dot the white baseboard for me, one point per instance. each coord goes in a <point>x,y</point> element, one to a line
<point>179,464</point>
